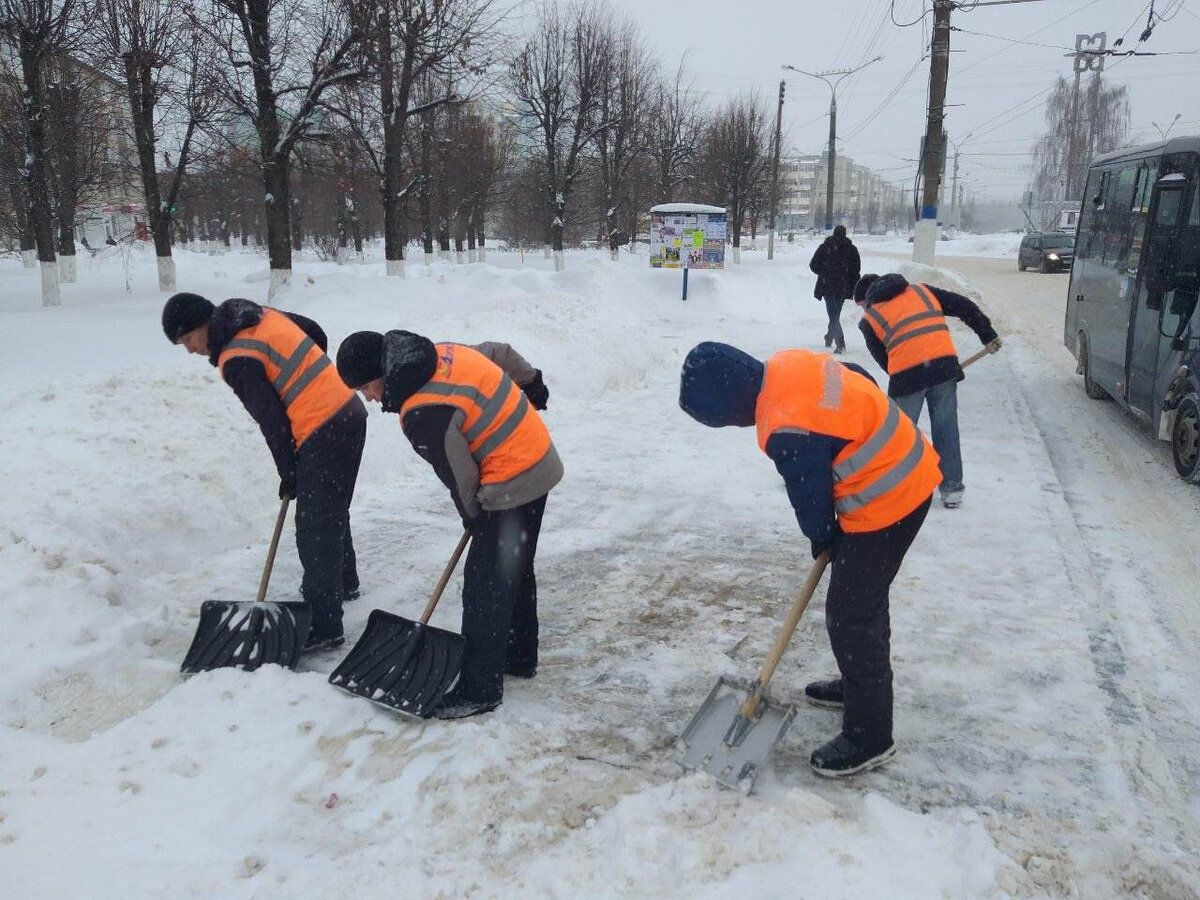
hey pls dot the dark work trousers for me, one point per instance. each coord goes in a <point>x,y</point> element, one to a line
<point>326,469</point>
<point>499,617</point>
<point>833,308</point>
<point>856,615</point>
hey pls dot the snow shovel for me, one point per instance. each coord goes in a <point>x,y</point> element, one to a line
<point>405,665</point>
<point>247,634</point>
<point>732,733</point>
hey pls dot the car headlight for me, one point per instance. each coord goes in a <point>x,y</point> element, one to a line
<point>1053,256</point>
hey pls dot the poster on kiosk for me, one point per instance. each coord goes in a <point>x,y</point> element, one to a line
<point>687,236</point>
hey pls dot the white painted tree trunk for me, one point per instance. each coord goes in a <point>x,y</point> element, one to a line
<point>614,254</point>
<point>483,254</point>
<point>29,259</point>
<point>472,255</point>
<point>66,268</point>
<point>166,273</point>
<point>925,241</point>
<point>429,259</point>
<point>395,268</point>
<point>560,262</point>
<point>343,255</point>
<point>280,278</point>
<point>51,295</point>
<point>459,257</point>
<point>443,254</point>
<point>545,251</point>
<point>737,255</point>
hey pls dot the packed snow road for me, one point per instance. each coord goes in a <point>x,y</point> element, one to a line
<point>1044,635</point>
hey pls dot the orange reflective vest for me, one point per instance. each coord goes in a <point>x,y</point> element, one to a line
<point>300,372</point>
<point>504,433</point>
<point>912,328</point>
<point>887,469</point>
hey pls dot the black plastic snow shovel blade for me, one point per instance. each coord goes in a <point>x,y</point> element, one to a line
<point>401,664</point>
<point>247,634</point>
<point>738,765</point>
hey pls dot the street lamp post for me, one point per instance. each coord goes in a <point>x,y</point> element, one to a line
<point>840,74</point>
<point>955,204</point>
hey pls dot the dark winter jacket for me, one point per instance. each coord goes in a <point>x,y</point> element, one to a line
<point>249,379</point>
<point>936,371</point>
<point>836,265</point>
<point>719,386</point>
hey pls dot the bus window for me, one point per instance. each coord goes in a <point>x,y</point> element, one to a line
<point>1138,215</point>
<point>1187,268</point>
<point>1118,201</point>
<point>1091,230</point>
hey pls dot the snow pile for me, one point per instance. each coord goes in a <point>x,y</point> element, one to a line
<point>135,487</point>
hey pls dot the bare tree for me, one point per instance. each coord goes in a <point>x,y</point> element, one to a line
<point>41,29</point>
<point>555,82</point>
<point>678,125</point>
<point>280,57</point>
<point>624,113</point>
<point>735,161</point>
<point>85,145</point>
<point>1094,122</point>
<point>152,49</point>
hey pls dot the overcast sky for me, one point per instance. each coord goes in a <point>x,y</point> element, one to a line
<point>997,81</point>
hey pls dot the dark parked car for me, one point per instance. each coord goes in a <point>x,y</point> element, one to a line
<point>1049,251</point>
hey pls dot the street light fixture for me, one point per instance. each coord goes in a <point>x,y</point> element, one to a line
<point>841,74</point>
<point>955,205</point>
<point>1163,134</point>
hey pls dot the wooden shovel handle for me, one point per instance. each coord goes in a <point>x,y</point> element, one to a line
<point>978,356</point>
<point>445,579</point>
<point>785,636</point>
<point>266,575</point>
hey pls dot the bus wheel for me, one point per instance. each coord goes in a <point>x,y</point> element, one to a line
<point>1090,387</point>
<point>1185,440</point>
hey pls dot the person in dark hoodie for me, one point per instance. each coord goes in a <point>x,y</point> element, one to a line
<point>836,265</point>
<point>905,329</point>
<point>466,411</point>
<point>313,424</point>
<point>859,475</point>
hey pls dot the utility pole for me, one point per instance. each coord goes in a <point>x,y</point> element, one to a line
<point>833,85</point>
<point>925,237</point>
<point>1088,56</point>
<point>775,177</point>
<point>955,202</point>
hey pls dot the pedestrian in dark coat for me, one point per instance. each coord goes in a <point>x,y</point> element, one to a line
<point>836,265</point>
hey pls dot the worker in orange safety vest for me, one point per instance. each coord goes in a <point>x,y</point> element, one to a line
<point>470,412</point>
<point>860,476</point>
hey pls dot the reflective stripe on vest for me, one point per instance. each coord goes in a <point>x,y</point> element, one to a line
<point>909,346</point>
<point>887,467</point>
<point>504,436</point>
<point>297,368</point>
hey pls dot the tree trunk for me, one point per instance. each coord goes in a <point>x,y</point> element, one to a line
<point>278,220</point>
<point>24,229</point>
<point>297,225</point>
<point>34,171</point>
<point>425,201</point>
<point>479,238</point>
<point>139,91</point>
<point>556,231</point>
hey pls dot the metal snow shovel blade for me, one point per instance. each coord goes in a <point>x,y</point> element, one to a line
<point>733,732</point>
<point>405,665</point>
<point>249,634</point>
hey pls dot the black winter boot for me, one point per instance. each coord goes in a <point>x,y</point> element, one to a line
<point>842,757</point>
<point>455,707</point>
<point>825,694</point>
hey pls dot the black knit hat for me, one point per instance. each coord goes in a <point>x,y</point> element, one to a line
<point>864,285</point>
<point>360,358</point>
<point>410,361</point>
<point>183,313</point>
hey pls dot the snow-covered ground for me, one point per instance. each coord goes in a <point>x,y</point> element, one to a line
<point>1046,685</point>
